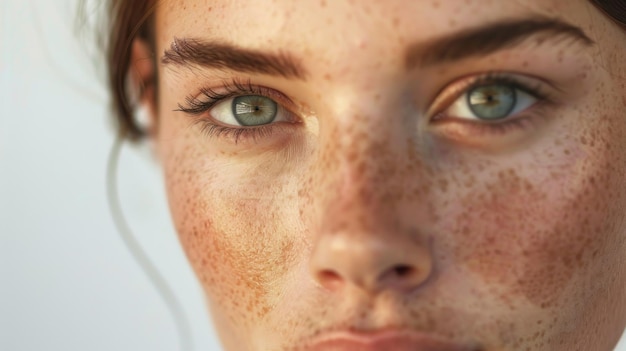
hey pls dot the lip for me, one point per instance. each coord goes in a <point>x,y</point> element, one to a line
<point>384,341</point>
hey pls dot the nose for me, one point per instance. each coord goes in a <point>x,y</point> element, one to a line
<point>370,236</point>
<point>372,262</point>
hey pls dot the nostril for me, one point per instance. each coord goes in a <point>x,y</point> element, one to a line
<point>329,279</point>
<point>329,275</point>
<point>400,276</point>
<point>403,271</point>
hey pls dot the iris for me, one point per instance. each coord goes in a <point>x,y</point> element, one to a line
<point>254,110</point>
<point>492,102</point>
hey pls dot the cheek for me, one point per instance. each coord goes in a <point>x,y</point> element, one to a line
<point>529,232</point>
<point>231,227</point>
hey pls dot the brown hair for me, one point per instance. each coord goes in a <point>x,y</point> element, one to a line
<point>128,20</point>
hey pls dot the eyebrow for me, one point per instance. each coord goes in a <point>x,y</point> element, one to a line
<point>485,40</point>
<point>226,56</point>
<point>479,41</point>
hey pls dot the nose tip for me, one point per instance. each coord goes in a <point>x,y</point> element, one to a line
<point>371,264</point>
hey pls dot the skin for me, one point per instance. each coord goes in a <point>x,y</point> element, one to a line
<point>509,240</point>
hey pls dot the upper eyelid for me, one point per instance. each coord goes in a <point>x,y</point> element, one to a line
<point>512,76</point>
<point>233,89</point>
<point>463,84</point>
<point>535,90</point>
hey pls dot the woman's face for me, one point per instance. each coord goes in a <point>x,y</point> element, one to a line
<point>406,175</point>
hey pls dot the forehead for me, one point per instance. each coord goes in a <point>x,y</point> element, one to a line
<point>299,24</point>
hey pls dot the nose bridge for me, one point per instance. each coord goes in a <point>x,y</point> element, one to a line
<point>361,238</point>
<point>361,166</point>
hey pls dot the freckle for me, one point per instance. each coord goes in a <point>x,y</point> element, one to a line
<point>323,3</point>
<point>465,231</point>
<point>395,22</point>
<point>560,56</point>
<point>443,185</point>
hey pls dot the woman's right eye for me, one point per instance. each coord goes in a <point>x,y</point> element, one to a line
<point>247,111</point>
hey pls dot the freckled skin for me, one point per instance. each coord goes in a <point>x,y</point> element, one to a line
<point>366,215</point>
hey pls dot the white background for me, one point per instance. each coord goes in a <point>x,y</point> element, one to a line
<point>67,282</point>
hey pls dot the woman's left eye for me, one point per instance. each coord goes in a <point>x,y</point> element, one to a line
<point>492,102</point>
<point>247,111</point>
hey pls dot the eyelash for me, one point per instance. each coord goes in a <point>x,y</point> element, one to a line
<point>196,106</point>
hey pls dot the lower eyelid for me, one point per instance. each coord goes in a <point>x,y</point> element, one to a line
<point>481,134</point>
<point>246,135</point>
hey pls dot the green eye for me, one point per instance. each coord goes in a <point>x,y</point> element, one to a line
<point>254,110</point>
<point>492,102</point>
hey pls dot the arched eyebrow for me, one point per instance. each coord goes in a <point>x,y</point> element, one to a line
<point>479,41</point>
<point>490,38</point>
<point>218,55</point>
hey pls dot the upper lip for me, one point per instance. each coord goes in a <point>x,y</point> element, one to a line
<point>396,340</point>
